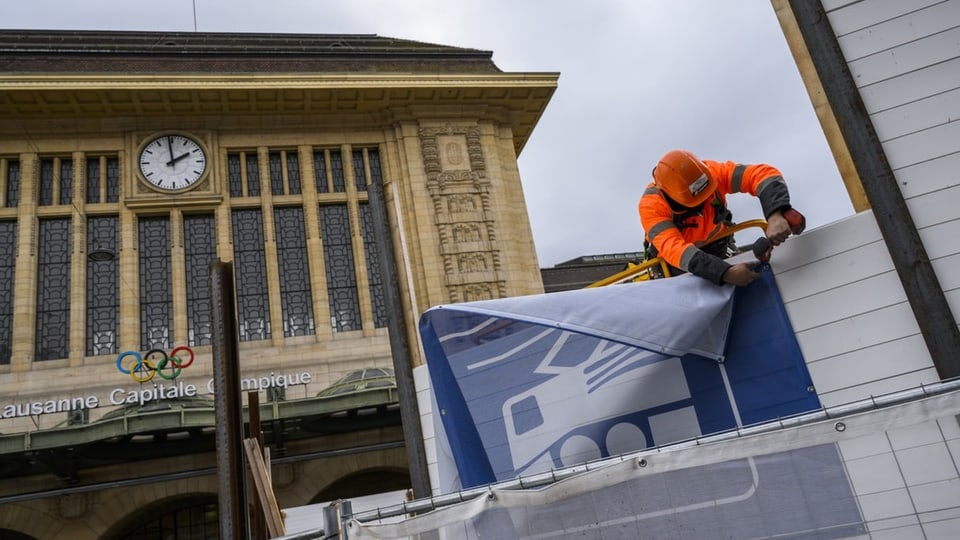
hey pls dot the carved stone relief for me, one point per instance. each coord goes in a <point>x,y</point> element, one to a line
<point>457,182</point>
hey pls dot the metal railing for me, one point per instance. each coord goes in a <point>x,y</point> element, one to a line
<point>641,272</point>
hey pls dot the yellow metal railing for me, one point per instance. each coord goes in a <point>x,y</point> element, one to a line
<point>641,272</point>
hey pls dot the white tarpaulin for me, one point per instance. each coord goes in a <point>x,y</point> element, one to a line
<point>676,316</point>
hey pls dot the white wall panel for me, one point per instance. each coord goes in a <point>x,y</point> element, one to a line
<point>863,330</point>
<point>913,86</point>
<point>824,242</point>
<point>917,115</point>
<point>844,268</point>
<point>929,176</point>
<point>906,58</point>
<point>924,145</point>
<point>890,359</point>
<point>850,300</point>
<point>892,33</point>
<point>879,387</point>
<point>847,17</point>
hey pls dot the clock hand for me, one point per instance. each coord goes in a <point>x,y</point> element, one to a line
<point>178,158</point>
<point>170,150</point>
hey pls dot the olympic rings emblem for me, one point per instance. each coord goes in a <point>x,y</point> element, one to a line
<point>142,368</point>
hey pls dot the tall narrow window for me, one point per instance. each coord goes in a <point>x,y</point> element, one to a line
<point>373,266</point>
<point>359,172</point>
<point>13,184</point>
<point>293,173</point>
<point>320,171</point>
<point>8,245</point>
<point>53,289</point>
<point>93,180</point>
<point>276,173</point>
<point>238,164</point>
<point>113,179</point>
<point>341,272</point>
<point>103,298</point>
<point>234,175</point>
<point>56,181</point>
<point>45,197</point>
<point>253,175</point>
<point>103,182</point>
<point>295,294</point>
<point>336,165</point>
<point>200,247</point>
<point>156,297</point>
<point>253,309</point>
<point>280,163</point>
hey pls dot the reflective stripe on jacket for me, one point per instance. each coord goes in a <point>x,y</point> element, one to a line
<point>677,233</point>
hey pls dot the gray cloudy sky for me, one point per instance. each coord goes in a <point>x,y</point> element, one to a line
<point>638,77</point>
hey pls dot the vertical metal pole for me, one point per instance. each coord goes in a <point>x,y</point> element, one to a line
<point>228,403</point>
<point>399,346</point>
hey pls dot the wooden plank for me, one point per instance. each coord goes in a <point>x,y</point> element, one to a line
<point>941,239</point>
<point>901,30</point>
<point>261,479</point>
<point>925,82</point>
<point>906,58</point>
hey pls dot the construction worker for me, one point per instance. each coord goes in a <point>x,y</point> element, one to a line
<point>684,210</point>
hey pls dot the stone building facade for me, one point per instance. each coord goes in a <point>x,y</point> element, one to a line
<point>129,161</point>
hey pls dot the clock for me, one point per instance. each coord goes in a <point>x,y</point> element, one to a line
<point>172,162</point>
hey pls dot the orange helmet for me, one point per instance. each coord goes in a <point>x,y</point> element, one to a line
<point>684,178</point>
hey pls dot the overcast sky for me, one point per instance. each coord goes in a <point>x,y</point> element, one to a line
<point>637,78</point>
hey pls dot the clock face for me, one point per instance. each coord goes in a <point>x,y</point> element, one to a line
<point>172,162</point>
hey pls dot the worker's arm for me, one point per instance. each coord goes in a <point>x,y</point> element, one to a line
<point>657,220</point>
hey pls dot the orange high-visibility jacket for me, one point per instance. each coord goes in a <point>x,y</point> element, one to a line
<point>676,232</point>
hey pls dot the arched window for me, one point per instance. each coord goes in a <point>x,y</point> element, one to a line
<point>193,517</point>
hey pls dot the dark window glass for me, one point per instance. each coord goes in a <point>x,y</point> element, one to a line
<point>200,249</point>
<point>253,309</point>
<point>66,181</point>
<point>13,184</point>
<point>295,297</point>
<point>234,176</point>
<point>193,517</point>
<point>53,289</point>
<point>320,171</point>
<point>46,182</point>
<point>253,176</point>
<point>293,173</point>
<point>113,179</point>
<point>336,163</point>
<point>8,245</point>
<point>341,273</point>
<point>276,173</point>
<point>93,180</point>
<point>103,299</point>
<point>373,266</point>
<point>359,173</point>
<point>156,297</point>
<point>375,172</point>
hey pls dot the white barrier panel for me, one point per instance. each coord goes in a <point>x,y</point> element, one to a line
<point>886,473</point>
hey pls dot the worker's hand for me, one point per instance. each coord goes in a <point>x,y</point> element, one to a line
<point>778,228</point>
<point>741,274</point>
